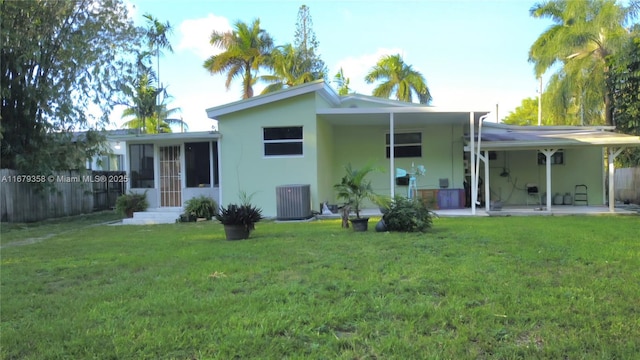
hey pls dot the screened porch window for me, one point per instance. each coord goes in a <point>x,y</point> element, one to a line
<point>406,145</point>
<point>282,141</point>
<point>198,164</point>
<point>141,159</point>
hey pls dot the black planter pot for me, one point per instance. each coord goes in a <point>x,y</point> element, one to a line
<point>236,232</point>
<point>361,224</point>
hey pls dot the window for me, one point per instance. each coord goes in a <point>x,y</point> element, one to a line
<point>282,141</point>
<point>111,162</point>
<point>141,159</point>
<point>198,164</point>
<point>405,145</point>
<point>556,159</point>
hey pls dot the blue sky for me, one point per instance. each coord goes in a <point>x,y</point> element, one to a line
<point>472,53</point>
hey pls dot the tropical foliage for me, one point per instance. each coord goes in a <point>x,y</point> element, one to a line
<point>247,49</point>
<point>342,82</point>
<point>525,114</point>
<point>288,69</point>
<point>60,60</point>
<point>398,78</point>
<point>624,85</point>
<point>355,187</point>
<point>583,35</point>
<point>407,215</point>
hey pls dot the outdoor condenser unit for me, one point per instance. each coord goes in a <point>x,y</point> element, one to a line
<point>293,202</point>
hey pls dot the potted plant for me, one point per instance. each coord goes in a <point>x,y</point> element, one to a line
<point>354,189</point>
<point>127,204</point>
<point>202,207</point>
<point>239,220</point>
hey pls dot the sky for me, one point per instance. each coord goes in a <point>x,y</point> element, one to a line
<point>472,53</point>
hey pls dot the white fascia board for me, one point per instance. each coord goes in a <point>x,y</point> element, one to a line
<point>389,110</point>
<point>167,136</point>
<point>240,105</point>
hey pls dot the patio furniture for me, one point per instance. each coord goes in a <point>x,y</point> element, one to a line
<point>533,194</point>
<point>580,194</point>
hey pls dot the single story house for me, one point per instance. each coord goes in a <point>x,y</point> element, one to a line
<point>297,141</point>
<point>307,134</point>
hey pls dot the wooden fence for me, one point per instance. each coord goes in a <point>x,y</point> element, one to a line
<point>32,198</point>
<point>627,185</point>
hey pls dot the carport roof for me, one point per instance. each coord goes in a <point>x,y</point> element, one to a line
<point>504,137</point>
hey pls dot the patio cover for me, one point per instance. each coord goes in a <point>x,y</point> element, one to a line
<point>548,140</point>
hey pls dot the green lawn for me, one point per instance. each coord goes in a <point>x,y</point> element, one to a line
<point>472,288</point>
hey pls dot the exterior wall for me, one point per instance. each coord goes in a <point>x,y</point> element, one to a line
<point>325,158</point>
<point>442,155</point>
<point>247,170</point>
<point>581,166</point>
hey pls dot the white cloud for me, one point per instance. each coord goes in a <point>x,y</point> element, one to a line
<point>195,34</point>
<point>355,68</point>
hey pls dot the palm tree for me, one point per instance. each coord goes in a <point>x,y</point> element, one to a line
<point>157,39</point>
<point>288,70</point>
<point>584,34</point>
<point>342,82</point>
<point>145,114</point>
<point>246,50</point>
<point>400,78</point>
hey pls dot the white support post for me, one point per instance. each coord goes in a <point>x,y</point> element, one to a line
<point>487,188</point>
<point>548,153</point>
<point>392,160</point>
<point>613,153</point>
<point>472,158</point>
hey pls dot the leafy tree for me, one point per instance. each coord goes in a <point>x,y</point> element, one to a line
<point>525,114</point>
<point>584,33</point>
<point>307,45</point>
<point>400,78</point>
<point>624,85</point>
<point>342,82</point>
<point>60,60</point>
<point>247,49</point>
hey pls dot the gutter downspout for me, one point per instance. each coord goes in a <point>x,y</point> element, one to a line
<point>476,164</point>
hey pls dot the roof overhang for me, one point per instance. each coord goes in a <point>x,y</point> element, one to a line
<point>189,136</point>
<point>405,115</point>
<point>501,137</point>
<point>320,86</point>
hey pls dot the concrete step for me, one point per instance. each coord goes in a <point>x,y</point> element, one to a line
<point>154,216</point>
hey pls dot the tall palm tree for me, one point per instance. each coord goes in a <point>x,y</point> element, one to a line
<point>145,114</point>
<point>288,70</point>
<point>156,40</point>
<point>398,78</point>
<point>246,50</point>
<point>583,35</point>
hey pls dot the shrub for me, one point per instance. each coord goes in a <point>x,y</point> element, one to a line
<point>245,214</point>
<point>201,207</point>
<point>127,204</point>
<point>407,215</point>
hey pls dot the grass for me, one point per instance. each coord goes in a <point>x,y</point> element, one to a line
<point>472,288</point>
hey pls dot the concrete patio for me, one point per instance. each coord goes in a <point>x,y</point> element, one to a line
<point>531,210</point>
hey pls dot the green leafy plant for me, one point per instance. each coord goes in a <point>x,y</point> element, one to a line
<point>127,204</point>
<point>201,207</point>
<point>354,187</point>
<point>407,215</point>
<point>245,214</point>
